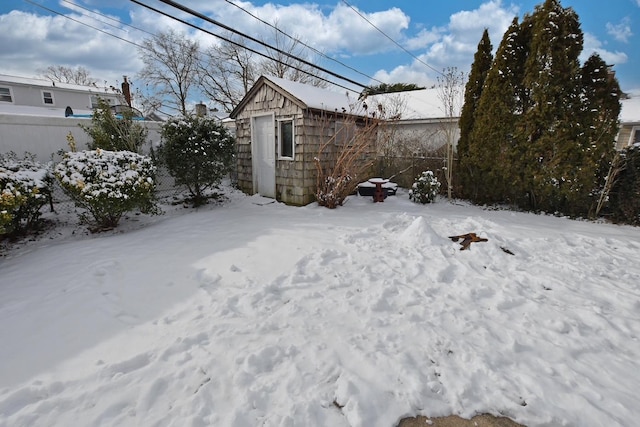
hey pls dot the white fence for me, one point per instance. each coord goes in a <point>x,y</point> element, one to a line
<point>45,136</point>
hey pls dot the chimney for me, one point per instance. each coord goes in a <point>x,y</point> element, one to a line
<point>126,91</point>
<point>201,109</point>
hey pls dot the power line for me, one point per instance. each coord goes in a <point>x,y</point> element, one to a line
<point>147,32</point>
<point>253,39</point>
<point>107,17</point>
<point>82,23</point>
<point>389,37</point>
<point>275,27</point>
<point>250,49</point>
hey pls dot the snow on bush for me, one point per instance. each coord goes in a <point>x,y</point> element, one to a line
<point>25,186</point>
<point>198,152</point>
<point>107,184</point>
<point>425,188</point>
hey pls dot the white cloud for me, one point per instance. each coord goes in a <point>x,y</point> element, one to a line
<point>593,45</point>
<point>339,31</point>
<point>454,44</point>
<point>621,31</point>
<point>32,42</point>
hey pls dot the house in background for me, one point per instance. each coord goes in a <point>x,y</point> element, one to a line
<point>418,124</point>
<point>629,133</point>
<point>280,126</point>
<point>37,115</point>
<point>39,97</point>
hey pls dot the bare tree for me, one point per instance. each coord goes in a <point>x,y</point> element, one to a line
<point>62,74</point>
<point>450,92</point>
<point>284,63</point>
<point>227,72</point>
<point>170,68</point>
<point>229,69</point>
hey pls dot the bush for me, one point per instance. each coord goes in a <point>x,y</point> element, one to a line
<point>345,156</point>
<point>624,199</point>
<point>425,188</point>
<point>107,184</point>
<point>109,132</point>
<point>198,152</point>
<point>25,186</point>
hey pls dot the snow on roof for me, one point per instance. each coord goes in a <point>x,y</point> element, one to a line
<point>630,111</point>
<point>318,98</point>
<point>415,104</point>
<point>31,81</point>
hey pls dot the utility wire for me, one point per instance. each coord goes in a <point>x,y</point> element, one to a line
<point>107,17</point>
<point>200,29</point>
<point>82,23</point>
<point>248,48</point>
<point>389,37</point>
<point>253,39</point>
<point>228,1</point>
<point>275,27</point>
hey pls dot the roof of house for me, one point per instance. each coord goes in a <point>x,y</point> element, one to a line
<point>306,96</point>
<point>630,112</point>
<point>414,104</point>
<point>31,81</point>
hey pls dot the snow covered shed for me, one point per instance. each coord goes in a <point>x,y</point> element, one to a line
<point>280,126</point>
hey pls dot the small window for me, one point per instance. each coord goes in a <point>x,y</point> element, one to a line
<point>96,98</point>
<point>286,138</point>
<point>47,97</point>
<point>5,94</point>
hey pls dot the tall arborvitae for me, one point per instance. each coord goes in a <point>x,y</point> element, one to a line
<point>495,121</point>
<point>481,64</point>
<point>598,127</point>
<point>552,77</point>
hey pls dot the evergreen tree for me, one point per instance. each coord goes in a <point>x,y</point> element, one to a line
<point>493,132</point>
<point>388,88</point>
<point>552,77</point>
<point>479,69</point>
<point>594,149</point>
<point>544,128</point>
<point>112,132</point>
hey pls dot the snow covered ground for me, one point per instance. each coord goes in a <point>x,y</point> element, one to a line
<point>253,313</point>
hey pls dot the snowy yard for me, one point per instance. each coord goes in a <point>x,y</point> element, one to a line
<point>259,314</point>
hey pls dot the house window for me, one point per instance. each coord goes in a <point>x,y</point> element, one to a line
<point>5,94</point>
<point>47,97</point>
<point>636,136</point>
<point>286,138</point>
<point>96,98</point>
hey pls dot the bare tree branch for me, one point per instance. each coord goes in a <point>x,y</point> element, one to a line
<point>170,65</point>
<point>62,74</point>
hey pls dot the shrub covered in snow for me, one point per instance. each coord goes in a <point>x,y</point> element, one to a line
<point>198,152</point>
<point>107,184</point>
<point>25,186</point>
<point>425,188</point>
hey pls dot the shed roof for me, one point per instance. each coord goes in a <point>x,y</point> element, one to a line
<point>306,96</point>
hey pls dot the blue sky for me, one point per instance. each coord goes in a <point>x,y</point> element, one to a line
<point>439,34</point>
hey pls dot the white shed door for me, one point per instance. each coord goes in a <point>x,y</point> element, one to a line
<point>264,156</point>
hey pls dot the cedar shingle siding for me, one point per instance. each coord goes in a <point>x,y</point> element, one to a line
<point>295,179</point>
